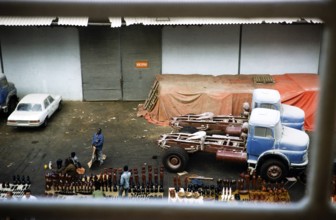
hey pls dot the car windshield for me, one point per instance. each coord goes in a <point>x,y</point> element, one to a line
<point>29,107</point>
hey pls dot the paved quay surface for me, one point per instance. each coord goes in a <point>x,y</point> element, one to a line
<point>128,140</point>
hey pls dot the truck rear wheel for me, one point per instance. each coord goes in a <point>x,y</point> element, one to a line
<point>273,170</point>
<point>175,159</point>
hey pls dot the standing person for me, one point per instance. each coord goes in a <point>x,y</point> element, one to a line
<point>97,143</point>
<point>124,182</point>
<point>27,195</point>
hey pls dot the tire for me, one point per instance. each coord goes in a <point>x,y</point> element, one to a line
<point>59,108</point>
<point>175,159</point>
<point>303,177</point>
<point>273,170</point>
<point>188,129</point>
<point>45,123</point>
<point>12,105</point>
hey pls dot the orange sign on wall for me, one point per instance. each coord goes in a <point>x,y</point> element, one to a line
<point>141,64</point>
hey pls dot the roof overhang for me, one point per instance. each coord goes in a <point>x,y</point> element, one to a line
<point>26,21</point>
<point>116,22</point>
<point>73,21</point>
<point>217,21</point>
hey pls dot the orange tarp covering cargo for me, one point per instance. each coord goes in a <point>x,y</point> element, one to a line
<point>225,94</point>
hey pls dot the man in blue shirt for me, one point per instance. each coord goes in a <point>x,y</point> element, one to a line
<point>97,143</point>
<point>124,182</point>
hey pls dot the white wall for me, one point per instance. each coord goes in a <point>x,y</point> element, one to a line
<point>279,49</point>
<point>210,50</point>
<point>265,49</point>
<point>45,60</point>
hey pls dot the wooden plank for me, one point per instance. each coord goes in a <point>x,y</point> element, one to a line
<point>152,97</point>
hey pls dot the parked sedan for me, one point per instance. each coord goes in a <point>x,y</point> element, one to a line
<point>34,110</point>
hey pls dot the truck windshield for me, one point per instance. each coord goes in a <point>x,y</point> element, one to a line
<point>269,106</point>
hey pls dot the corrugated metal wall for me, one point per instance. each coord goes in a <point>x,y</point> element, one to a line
<point>100,63</point>
<point>140,44</point>
<point>109,57</point>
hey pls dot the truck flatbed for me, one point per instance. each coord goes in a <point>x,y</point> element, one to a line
<point>225,124</point>
<point>199,141</point>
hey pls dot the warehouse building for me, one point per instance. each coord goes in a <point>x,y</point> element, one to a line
<point>118,59</point>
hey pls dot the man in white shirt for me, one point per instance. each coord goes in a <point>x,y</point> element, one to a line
<point>27,195</point>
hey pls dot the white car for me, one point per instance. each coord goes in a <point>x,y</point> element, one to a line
<point>34,110</point>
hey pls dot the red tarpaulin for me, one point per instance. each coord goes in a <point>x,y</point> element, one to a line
<point>225,94</point>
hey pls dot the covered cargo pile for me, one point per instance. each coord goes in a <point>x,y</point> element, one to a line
<point>175,95</point>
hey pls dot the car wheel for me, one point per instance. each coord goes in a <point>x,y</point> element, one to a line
<point>59,108</point>
<point>273,170</point>
<point>45,123</point>
<point>175,159</point>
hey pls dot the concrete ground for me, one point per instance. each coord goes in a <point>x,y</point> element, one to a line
<point>128,140</point>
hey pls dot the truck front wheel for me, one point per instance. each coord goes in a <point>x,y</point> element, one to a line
<point>175,159</point>
<point>273,170</point>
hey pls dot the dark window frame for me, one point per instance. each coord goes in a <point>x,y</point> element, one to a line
<point>316,204</point>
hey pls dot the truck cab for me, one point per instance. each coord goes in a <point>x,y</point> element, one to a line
<point>8,97</point>
<point>291,116</point>
<point>274,149</point>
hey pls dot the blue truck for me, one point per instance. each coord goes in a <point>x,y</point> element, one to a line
<point>290,116</point>
<point>270,148</point>
<point>8,95</point>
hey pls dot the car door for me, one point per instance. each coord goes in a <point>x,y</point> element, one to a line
<point>47,107</point>
<point>52,104</point>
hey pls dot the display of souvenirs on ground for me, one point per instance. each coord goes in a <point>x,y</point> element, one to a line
<point>246,188</point>
<point>148,183</point>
